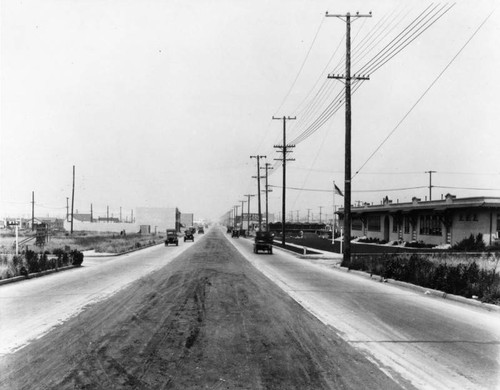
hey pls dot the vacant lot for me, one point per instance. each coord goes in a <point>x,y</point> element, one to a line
<point>100,242</point>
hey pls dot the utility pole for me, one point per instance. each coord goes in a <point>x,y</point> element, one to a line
<point>73,200</point>
<point>258,187</point>
<point>248,213</point>
<point>32,210</point>
<point>308,212</point>
<point>91,213</point>
<point>107,213</point>
<point>297,211</point>
<point>347,77</point>
<point>267,191</point>
<point>242,204</point>
<point>131,216</point>
<point>284,149</point>
<point>235,213</point>
<point>430,183</point>
<point>320,210</point>
<point>121,214</point>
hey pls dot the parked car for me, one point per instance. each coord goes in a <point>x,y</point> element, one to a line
<point>188,235</point>
<point>263,242</point>
<point>172,238</point>
<point>235,233</point>
<point>201,230</point>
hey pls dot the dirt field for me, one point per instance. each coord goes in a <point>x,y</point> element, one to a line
<point>207,320</point>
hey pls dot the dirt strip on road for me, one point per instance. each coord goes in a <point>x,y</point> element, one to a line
<point>209,319</point>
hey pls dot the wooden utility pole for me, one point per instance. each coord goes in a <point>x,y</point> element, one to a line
<point>72,199</point>
<point>320,212</point>
<point>91,213</point>
<point>248,213</point>
<point>430,183</point>
<point>284,149</point>
<point>242,204</point>
<point>32,210</point>
<point>347,79</point>
<point>267,191</point>
<point>258,188</point>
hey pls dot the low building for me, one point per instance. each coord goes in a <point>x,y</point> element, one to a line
<point>158,218</point>
<point>445,221</point>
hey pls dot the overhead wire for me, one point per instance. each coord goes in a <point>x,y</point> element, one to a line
<point>422,95</point>
<point>302,66</point>
<point>332,109</point>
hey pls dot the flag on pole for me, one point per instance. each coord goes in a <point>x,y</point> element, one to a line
<point>337,190</point>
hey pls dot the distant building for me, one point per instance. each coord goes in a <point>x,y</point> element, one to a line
<point>445,221</point>
<point>82,217</point>
<point>187,219</point>
<point>158,218</point>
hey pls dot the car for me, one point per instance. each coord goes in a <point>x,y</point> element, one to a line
<point>172,238</point>
<point>201,230</point>
<point>263,242</point>
<point>188,235</point>
<point>235,233</point>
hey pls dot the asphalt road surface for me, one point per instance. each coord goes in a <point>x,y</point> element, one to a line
<point>201,316</point>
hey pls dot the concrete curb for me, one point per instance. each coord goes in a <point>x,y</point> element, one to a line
<point>423,290</point>
<point>51,271</point>
<point>36,275</point>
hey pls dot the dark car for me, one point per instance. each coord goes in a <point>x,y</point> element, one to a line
<point>263,242</point>
<point>172,238</point>
<point>201,230</point>
<point>188,235</point>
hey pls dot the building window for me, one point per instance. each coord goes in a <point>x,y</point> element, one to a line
<point>430,225</point>
<point>373,224</point>
<point>356,223</point>
<point>407,225</point>
<point>394,225</point>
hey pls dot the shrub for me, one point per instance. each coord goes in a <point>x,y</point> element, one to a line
<point>471,244</point>
<point>76,257</point>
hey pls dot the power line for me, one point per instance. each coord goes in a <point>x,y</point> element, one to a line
<point>302,66</point>
<point>359,191</point>
<point>423,94</point>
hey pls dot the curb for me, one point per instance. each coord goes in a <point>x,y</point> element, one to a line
<point>423,290</point>
<point>51,271</point>
<point>36,275</point>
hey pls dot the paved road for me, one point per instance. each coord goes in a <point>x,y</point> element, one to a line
<point>434,343</point>
<point>29,309</point>
<point>208,319</point>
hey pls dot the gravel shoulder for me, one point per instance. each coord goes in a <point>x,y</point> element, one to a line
<point>208,319</point>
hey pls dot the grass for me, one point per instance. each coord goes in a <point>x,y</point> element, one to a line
<point>82,241</point>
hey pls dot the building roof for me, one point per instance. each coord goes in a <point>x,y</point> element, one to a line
<point>449,202</point>
<point>82,217</point>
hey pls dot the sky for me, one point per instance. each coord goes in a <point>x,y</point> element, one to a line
<point>162,103</point>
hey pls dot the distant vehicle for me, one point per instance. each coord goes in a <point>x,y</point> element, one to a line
<point>235,233</point>
<point>188,235</point>
<point>201,230</point>
<point>263,242</point>
<point>172,238</point>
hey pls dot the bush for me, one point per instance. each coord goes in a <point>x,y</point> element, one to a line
<point>470,244</point>
<point>463,279</point>
<point>76,257</point>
